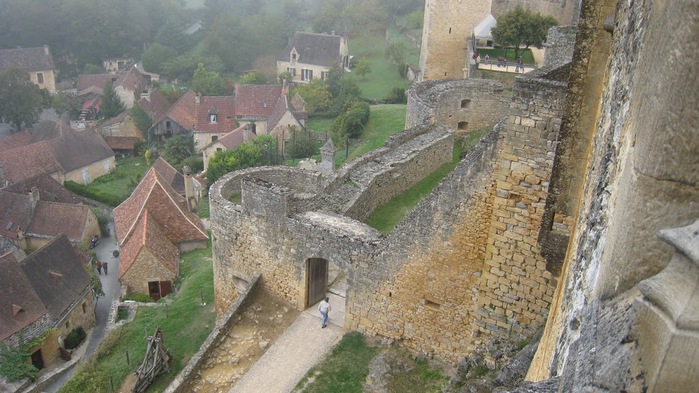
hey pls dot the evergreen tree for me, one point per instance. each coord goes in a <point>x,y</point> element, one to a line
<point>111,104</point>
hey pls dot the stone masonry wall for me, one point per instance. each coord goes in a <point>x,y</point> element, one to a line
<point>145,268</point>
<point>565,11</point>
<point>460,105</point>
<point>516,289</point>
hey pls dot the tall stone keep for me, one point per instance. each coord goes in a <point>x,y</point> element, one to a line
<point>447,28</point>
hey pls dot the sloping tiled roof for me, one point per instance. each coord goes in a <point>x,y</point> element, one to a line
<point>282,107</point>
<point>168,173</point>
<point>15,140</point>
<point>166,206</point>
<point>51,219</point>
<point>78,149</point>
<point>57,274</point>
<point>19,303</point>
<point>27,59</point>
<point>122,142</point>
<point>93,80</point>
<point>256,100</point>
<point>28,161</point>
<point>182,111</point>
<point>155,105</point>
<point>129,80</point>
<point>147,233</point>
<point>49,189</point>
<point>224,109</point>
<point>116,119</point>
<point>232,139</point>
<point>15,212</point>
<point>313,48</point>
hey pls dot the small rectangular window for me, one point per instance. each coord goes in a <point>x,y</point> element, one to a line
<point>465,104</point>
<point>40,77</point>
<point>214,138</point>
<point>306,75</point>
<point>463,125</point>
<point>292,71</point>
<point>212,118</point>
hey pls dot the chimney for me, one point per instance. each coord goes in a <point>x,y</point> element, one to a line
<point>189,189</point>
<point>34,198</point>
<point>197,99</point>
<point>46,49</point>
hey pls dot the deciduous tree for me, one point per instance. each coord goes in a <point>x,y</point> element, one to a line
<point>21,101</point>
<point>362,68</point>
<point>208,83</point>
<point>522,28</point>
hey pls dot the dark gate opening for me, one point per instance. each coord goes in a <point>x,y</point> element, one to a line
<point>37,359</point>
<point>317,280</point>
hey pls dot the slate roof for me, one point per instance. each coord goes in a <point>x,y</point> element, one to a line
<point>155,104</point>
<point>168,173</point>
<point>147,233</point>
<point>20,305</point>
<point>27,59</point>
<point>57,274</point>
<point>223,107</point>
<point>51,219</point>
<point>316,49</point>
<point>256,100</point>
<point>50,190</point>
<point>166,206</point>
<point>15,212</point>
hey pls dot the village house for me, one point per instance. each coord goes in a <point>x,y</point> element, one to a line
<point>154,104</point>
<point>230,141</point>
<point>179,119</point>
<point>48,289</point>
<point>30,222</point>
<point>128,85</point>
<point>215,118</point>
<point>254,105</point>
<point>186,185</point>
<point>77,156</point>
<point>310,56</point>
<point>286,119</point>
<point>121,134</point>
<point>38,62</point>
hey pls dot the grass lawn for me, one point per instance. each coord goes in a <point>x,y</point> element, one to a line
<point>384,121</point>
<point>383,77</point>
<point>121,181</point>
<point>345,370</point>
<point>185,325</point>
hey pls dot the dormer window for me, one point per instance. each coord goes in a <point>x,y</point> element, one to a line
<point>212,118</point>
<point>293,56</point>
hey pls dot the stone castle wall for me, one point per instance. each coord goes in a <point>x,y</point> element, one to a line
<point>565,11</point>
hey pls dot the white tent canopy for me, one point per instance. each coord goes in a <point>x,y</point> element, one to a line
<point>482,29</point>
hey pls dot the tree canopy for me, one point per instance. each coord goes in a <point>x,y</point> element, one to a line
<point>21,101</point>
<point>208,83</point>
<point>521,27</point>
<point>262,151</point>
<point>111,103</point>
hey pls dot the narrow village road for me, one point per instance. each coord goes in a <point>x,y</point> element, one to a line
<point>110,286</point>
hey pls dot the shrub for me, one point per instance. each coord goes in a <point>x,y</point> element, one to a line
<point>138,297</point>
<point>351,123</point>
<point>74,338</point>
<point>195,163</point>
<point>99,196</point>
<point>396,96</point>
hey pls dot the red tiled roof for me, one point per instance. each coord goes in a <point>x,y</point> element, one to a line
<point>15,212</point>
<point>256,100</point>
<point>155,105</point>
<point>49,189</point>
<point>233,139</point>
<point>51,219</point>
<point>129,80</point>
<point>122,142</point>
<point>27,59</point>
<point>93,80</point>
<point>182,112</point>
<point>19,303</point>
<point>224,109</point>
<point>28,161</point>
<point>168,173</point>
<point>147,233</point>
<point>166,206</point>
<point>15,140</point>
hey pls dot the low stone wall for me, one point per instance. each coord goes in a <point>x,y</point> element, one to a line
<point>215,337</point>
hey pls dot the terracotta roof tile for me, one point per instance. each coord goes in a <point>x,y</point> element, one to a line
<point>49,189</point>
<point>122,142</point>
<point>15,212</point>
<point>28,161</point>
<point>183,111</point>
<point>167,207</point>
<point>256,100</point>
<point>98,81</point>
<point>27,59</point>
<point>224,109</point>
<point>155,104</point>
<point>15,140</point>
<point>168,173</point>
<point>19,303</point>
<point>147,233</point>
<point>57,274</point>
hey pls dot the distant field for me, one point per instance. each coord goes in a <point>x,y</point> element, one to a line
<point>193,4</point>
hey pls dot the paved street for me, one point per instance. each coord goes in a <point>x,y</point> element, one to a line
<point>110,285</point>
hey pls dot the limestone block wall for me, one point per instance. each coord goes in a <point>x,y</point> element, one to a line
<point>145,268</point>
<point>515,288</point>
<point>93,171</point>
<point>81,314</point>
<point>560,44</point>
<point>30,332</point>
<point>565,11</point>
<point>460,105</point>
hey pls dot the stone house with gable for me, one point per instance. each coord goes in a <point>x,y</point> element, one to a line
<point>186,185</point>
<point>154,214</point>
<point>310,56</point>
<point>215,118</point>
<point>38,62</point>
<point>286,119</point>
<point>231,140</point>
<point>50,288</point>
<point>254,105</point>
<point>179,119</point>
<point>128,85</point>
<point>121,134</point>
<point>77,156</point>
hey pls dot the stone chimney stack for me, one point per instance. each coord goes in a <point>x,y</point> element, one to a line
<point>197,99</point>
<point>46,49</point>
<point>34,198</point>
<point>189,194</point>
<point>327,152</point>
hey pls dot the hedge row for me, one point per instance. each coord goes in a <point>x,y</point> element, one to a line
<point>87,192</point>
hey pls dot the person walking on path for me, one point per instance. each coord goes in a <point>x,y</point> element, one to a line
<point>104,266</point>
<point>324,307</point>
<point>98,264</point>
